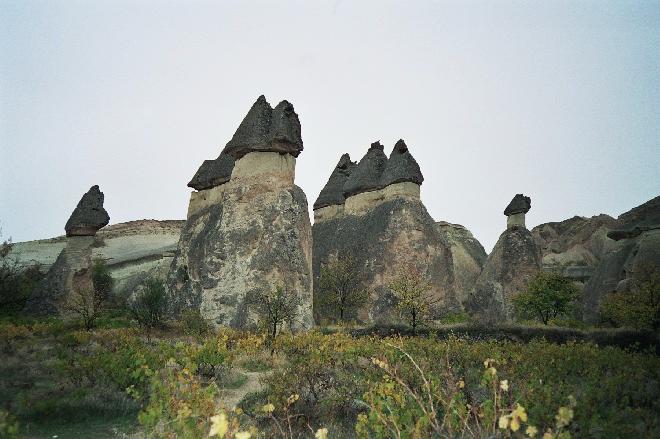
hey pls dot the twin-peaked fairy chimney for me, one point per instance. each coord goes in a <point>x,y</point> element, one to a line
<point>69,279</point>
<point>248,229</point>
<point>371,211</point>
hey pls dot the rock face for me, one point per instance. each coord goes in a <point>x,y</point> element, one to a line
<point>385,227</point>
<point>635,252</point>
<point>254,235</point>
<point>515,259</point>
<point>71,273</point>
<point>89,215</point>
<point>467,256</point>
<point>602,254</point>
<point>133,251</point>
<point>266,129</point>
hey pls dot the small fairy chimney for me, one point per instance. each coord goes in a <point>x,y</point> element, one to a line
<point>516,210</point>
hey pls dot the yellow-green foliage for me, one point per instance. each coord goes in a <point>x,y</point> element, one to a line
<point>337,385</point>
<point>639,308</point>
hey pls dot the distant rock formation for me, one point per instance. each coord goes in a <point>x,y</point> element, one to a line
<point>515,259</point>
<point>249,234</point>
<point>89,215</point>
<point>379,220</point>
<point>71,273</point>
<point>602,254</point>
<point>133,251</point>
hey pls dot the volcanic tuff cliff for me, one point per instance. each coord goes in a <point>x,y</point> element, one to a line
<point>71,273</point>
<point>372,212</point>
<point>601,253</point>
<point>515,259</point>
<point>250,233</point>
<point>132,250</point>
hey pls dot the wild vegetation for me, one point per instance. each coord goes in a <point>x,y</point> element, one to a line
<point>186,382</point>
<point>131,371</point>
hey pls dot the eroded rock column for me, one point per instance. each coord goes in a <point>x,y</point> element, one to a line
<point>249,233</point>
<point>71,273</point>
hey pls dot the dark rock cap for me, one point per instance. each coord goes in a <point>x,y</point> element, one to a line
<point>367,174</point>
<point>267,130</point>
<point>213,173</point>
<point>333,191</point>
<point>89,215</point>
<point>401,167</point>
<point>519,204</point>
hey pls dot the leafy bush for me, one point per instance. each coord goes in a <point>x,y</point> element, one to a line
<point>548,296</point>
<point>150,305</point>
<point>16,282</point>
<point>638,308</point>
<point>414,301</point>
<point>277,308</point>
<point>194,324</point>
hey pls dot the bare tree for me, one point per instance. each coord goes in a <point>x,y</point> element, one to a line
<point>276,308</point>
<point>341,287</point>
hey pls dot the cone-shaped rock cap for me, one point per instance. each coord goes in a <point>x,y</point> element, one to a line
<point>367,174</point>
<point>333,191</point>
<point>89,215</point>
<point>266,129</point>
<point>401,167</point>
<point>213,173</point>
<point>519,204</point>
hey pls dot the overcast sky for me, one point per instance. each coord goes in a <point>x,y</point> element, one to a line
<point>557,100</point>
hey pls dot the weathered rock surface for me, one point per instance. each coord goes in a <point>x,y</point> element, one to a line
<point>467,256</point>
<point>333,191</point>
<point>133,251</point>
<point>628,259</point>
<point>89,215</point>
<point>366,176</point>
<point>574,247</point>
<point>515,259</point>
<point>385,227</point>
<point>267,130</point>
<point>71,273</point>
<point>392,234</point>
<point>256,238</point>
<point>251,234</point>
<point>401,166</point>
<point>213,173</point>
<point>602,254</point>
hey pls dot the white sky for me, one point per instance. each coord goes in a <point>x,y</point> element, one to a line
<point>558,100</point>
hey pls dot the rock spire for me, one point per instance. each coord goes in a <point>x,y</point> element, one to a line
<point>265,129</point>
<point>333,191</point>
<point>89,215</point>
<point>367,174</point>
<point>401,167</point>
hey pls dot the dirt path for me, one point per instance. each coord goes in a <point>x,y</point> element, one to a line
<point>231,397</point>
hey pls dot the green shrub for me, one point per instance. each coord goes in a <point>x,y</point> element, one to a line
<point>150,305</point>
<point>548,296</point>
<point>194,324</point>
<point>638,308</point>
